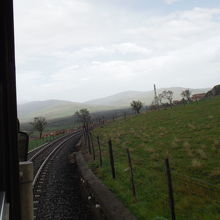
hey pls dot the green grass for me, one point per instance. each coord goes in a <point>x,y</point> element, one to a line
<point>61,111</point>
<point>33,143</point>
<point>190,136</point>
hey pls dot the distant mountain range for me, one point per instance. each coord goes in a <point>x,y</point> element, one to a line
<point>52,109</point>
<point>58,108</point>
<point>125,98</point>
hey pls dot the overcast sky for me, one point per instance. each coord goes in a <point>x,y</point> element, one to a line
<point>79,50</point>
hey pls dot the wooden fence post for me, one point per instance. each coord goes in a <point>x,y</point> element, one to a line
<point>132,174</point>
<point>93,150</point>
<point>170,189</point>
<point>89,144</point>
<point>125,116</point>
<point>100,152</point>
<point>111,158</point>
<point>84,137</point>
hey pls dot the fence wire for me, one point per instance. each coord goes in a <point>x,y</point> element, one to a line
<point>195,199</point>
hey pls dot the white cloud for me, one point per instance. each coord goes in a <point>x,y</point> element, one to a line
<point>73,50</point>
<point>169,2</point>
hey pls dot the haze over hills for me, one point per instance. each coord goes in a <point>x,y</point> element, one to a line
<point>36,106</point>
<point>58,108</point>
<point>125,98</point>
<point>52,109</point>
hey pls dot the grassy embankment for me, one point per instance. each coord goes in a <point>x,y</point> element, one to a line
<point>33,143</point>
<point>190,136</point>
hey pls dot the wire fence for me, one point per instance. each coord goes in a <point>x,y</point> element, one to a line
<point>146,188</point>
<point>46,138</point>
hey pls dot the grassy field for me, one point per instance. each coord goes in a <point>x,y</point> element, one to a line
<point>53,126</point>
<point>65,123</point>
<point>190,137</point>
<point>36,142</point>
<point>33,143</point>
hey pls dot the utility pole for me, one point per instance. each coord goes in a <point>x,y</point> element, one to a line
<point>155,97</point>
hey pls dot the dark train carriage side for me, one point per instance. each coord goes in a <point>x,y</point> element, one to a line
<point>9,173</point>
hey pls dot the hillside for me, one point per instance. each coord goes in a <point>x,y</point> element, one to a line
<point>70,122</point>
<point>52,109</point>
<point>190,137</point>
<point>32,107</point>
<point>125,98</point>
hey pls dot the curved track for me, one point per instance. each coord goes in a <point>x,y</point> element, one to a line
<point>42,154</point>
<point>48,160</point>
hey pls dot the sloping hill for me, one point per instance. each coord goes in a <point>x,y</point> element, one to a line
<point>120,99</point>
<point>189,136</point>
<point>32,107</point>
<point>125,98</point>
<point>214,91</point>
<point>52,109</point>
<point>58,108</point>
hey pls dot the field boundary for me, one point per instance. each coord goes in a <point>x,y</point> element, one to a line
<point>102,202</point>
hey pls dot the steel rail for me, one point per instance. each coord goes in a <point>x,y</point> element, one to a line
<point>48,157</point>
<point>47,145</point>
<point>37,148</point>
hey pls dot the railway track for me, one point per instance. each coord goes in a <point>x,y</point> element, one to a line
<point>39,155</point>
<point>45,159</point>
<point>33,153</point>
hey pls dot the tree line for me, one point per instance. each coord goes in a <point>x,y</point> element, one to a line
<point>84,117</point>
<point>166,95</point>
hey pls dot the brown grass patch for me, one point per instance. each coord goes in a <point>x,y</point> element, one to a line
<point>151,150</point>
<point>215,173</point>
<point>201,153</point>
<point>196,164</point>
<point>188,149</point>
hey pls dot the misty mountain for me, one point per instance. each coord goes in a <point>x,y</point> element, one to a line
<point>125,98</point>
<point>53,109</point>
<point>58,108</point>
<point>36,106</point>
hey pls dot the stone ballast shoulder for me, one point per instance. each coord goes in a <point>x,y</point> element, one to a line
<point>102,202</point>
